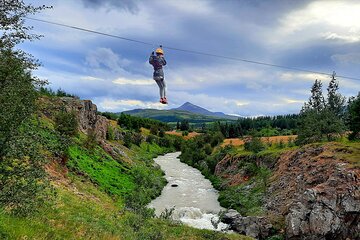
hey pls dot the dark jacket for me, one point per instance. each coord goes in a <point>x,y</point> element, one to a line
<point>157,62</point>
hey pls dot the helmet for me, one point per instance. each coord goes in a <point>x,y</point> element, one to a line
<point>159,51</point>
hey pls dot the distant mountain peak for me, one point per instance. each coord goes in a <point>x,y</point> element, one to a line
<point>190,107</point>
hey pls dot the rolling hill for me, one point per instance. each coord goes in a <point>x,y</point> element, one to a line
<point>187,111</point>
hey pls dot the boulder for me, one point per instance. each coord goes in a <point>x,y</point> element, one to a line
<point>256,227</point>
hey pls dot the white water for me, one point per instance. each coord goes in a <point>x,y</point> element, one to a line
<point>194,199</point>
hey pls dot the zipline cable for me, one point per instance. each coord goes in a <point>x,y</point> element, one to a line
<point>191,51</point>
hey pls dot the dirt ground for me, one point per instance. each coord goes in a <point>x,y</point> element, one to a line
<point>191,135</point>
<point>274,139</point>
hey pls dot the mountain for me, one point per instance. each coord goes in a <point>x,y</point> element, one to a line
<point>187,111</point>
<point>199,110</point>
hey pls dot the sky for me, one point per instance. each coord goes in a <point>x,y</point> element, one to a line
<point>322,35</point>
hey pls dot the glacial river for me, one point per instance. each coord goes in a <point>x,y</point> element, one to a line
<point>192,196</point>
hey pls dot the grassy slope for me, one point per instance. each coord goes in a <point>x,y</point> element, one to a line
<point>85,212</point>
<point>90,198</point>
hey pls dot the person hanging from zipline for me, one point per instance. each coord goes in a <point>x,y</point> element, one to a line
<point>158,61</point>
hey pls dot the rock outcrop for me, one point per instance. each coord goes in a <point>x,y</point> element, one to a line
<point>318,194</point>
<point>256,227</point>
<point>85,111</point>
<point>86,114</point>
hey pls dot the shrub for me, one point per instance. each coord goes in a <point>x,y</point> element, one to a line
<point>110,135</point>
<point>24,186</point>
<point>185,133</point>
<point>150,139</point>
<point>66,123</point>
<point>127,140</point>
<point>254,145</point>
<point>161,133</point>
<point>137,138</point>
<point>90,141</point>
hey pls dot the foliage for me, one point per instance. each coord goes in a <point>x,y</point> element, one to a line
<point>137,138</point>
<point>321,119</point>
<point>110,134</point>
<point>135,123</point>
<point>149,183</point>
<point>254,145</point>
<point>196,152</point>
<point>354,116</point>
<point>24,186</point>
<point>17,85</point>
<point>110,115</point>
<point>266,125</point>
<point>248,197</point>
<point>90,140</point>
<point>127,139</point>
<point>66,123</point>
<point>59,93</point>
<point>335,101</point>
<point>17,95</point>
<point>184,125</point>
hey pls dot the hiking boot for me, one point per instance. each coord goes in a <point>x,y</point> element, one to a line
<point>161,100</point>
<point>165,100</point>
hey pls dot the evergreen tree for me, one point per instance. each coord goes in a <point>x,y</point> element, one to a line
<point>316,101</point>
<point>336,102</point>
<point>318,118</point>
<point>354,116</point>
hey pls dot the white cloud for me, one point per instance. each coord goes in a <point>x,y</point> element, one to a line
<point>351,38</point>
<point>105,57</point>
<point>127,104</point>
<point>90,78</point>
<point>329,20</point>
<point>350,58</point>
<point>297,76</point>
<point>124,81</point>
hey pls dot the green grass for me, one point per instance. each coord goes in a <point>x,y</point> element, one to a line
<point>102,169</point>
<point>82,211</point>
<point>348,151</point>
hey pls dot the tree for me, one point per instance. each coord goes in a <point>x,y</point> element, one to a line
<point>318,118</point>
<point>184,125</point>
<point>354,116</point>
<point>23,183</point>
<point>17,85</point>
<point>336,102</point>
<point>316,101</point>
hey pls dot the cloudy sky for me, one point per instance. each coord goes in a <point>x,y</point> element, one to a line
<point>316,35</point>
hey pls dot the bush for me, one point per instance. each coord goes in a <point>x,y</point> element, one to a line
<point>137,138</point>
<point>254,145</point>
<point>127,140</point>
<point>185,133</point>
<point>151,139</point>
<point>90,141</point>
<point>66,123</point>
<point>110,135</point>
<point>161,133</point>
<point>24,186</point>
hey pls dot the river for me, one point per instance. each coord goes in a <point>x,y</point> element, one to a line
<point>189,193</point>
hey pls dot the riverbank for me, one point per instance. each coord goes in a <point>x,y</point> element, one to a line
<point>188,194</point>
<point>274,188</point>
